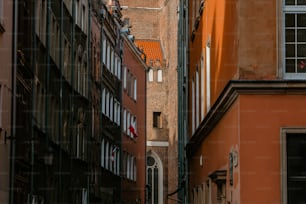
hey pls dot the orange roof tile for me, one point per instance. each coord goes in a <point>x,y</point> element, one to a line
<point>152,49</point>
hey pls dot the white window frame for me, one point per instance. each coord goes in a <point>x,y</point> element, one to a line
<point>118,114</point>
<point>135,89</point>
<point>291,9</point>
<point>128,119</point>
<point>159,75</point>
<point>151,75</point>
<point>124,120</point>
<point>124,77</point>
<point>111,109</point>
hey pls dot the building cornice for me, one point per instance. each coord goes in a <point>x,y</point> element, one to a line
<point>233,89</point>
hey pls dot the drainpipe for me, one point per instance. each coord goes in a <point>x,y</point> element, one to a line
<point>47,81</point>
<point>72,93</point>
<point>89,74</point>
<point>182,99</point>
<point>13,103</point>
<point>60,118</point>
<point>34,92</point>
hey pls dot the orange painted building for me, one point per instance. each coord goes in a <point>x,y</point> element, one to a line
<point>246,120</point>
<point>134,124</point>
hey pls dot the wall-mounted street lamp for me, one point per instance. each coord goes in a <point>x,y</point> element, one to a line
<point>48,157</point>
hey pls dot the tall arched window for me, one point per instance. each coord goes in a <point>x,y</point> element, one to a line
<point>155,178</point>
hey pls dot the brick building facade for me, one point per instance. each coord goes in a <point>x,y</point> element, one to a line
<point>154,25</point>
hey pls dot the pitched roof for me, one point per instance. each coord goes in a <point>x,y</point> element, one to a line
<point>152,50</point>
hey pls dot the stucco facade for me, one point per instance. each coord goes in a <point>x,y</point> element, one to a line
<point>245,103</point>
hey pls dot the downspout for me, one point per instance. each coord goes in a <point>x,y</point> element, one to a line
<point>89,74</point>
<point>180,98</point>
<point>72,94</point>
<point>47,78</point>
<point>34,92</point>
<point>60,118</point>
<point>13,103</point>
<point>101,20</point>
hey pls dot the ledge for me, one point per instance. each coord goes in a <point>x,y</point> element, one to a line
<point>233,89</point>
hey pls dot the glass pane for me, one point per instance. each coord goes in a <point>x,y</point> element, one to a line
<point>301,20</point>
<point>150,161</point>
<point>155,185</point>
<point>301,2</point>
<point>301,65</point>
<point>296,155</point>
<point>301,50</point>
<point>289,2</point>
<point>290,50</point>
<point>301,35</point>
<point>290,20</point>
<point>296,168</point>
<point>290,35</point>
<point>290,66</point>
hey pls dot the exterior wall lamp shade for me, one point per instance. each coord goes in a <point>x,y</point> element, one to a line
<point>48,158</point>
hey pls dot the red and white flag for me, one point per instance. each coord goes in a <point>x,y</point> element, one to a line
<point>133,131</point>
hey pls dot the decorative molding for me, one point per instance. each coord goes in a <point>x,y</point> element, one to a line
<point>157,143</point>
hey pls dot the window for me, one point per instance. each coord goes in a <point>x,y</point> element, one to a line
<point>135,89</point>
<point>107,105</point>
<point>193,107</point>
<point>197,99</point>
<point>102,152</point>
<point>111,109</point>
<point>128,119</point>
<point>294,34</point>
<point>208,75</point>
<point>159,75</point>
<point>119,68</point>
<point>202,77</point>
<point>293,165</point>
<point>157,120</point>
<point>106,155</point>
<point>103,101</point>
<point>124,77</point>
<point>83,18</point>
<point>124,120</point>
<point>150,74</point>
<point>118,114</point>
<point>154,178</point>
<point>104,51</point>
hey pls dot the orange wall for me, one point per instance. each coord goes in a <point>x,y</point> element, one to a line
<point>218,23</point>
<point>252,127</point>
<point>215,150</point>
<point>261,119</point>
